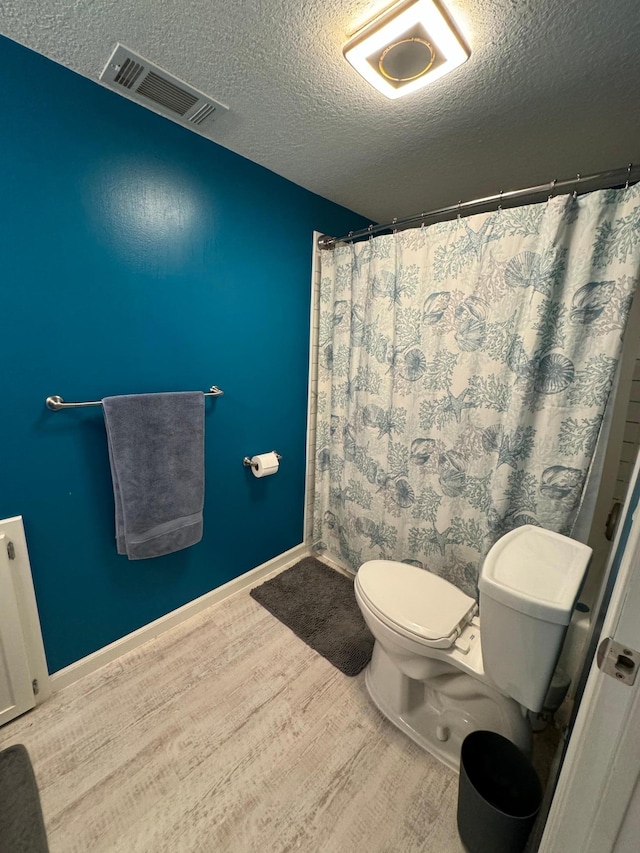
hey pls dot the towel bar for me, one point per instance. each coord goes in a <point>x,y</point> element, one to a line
<point>56,403</point>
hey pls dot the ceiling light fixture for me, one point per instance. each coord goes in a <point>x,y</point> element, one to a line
<point>405,48</point>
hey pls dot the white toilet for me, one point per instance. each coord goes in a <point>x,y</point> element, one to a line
<point>437,672</point>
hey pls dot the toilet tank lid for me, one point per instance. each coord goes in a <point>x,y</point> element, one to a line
<point>415,599</point>
<point>535,571</point>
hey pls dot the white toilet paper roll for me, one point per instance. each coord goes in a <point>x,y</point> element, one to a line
<point>264,464</point>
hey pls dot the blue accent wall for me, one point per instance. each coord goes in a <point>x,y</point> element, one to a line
<point>136,256</point>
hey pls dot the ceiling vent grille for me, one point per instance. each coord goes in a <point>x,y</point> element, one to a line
<point>153,87</point>
<point>166,94</point>
<point>203,113</point>
<point>129,73</point>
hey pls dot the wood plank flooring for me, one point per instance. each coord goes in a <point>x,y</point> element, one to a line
<point>228,733</point>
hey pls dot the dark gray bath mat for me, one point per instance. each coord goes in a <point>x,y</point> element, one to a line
<point>21,822</point>
<point>319,605</point>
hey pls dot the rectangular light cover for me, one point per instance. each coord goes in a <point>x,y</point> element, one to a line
<point>394,25</point>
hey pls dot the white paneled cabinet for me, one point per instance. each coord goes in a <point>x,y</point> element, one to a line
<point>16,691</point>
<point>23,670</point>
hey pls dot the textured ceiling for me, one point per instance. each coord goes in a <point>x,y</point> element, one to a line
<point>551,89</point>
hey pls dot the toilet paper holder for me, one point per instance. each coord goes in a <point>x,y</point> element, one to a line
<point>249,464</point>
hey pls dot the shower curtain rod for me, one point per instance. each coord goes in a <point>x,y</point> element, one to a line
<point>605,180</point>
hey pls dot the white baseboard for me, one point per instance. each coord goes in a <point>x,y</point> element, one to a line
<point>64,677</point>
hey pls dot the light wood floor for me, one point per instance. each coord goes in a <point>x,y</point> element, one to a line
<point>228,733</point>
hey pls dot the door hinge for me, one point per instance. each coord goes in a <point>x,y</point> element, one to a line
<point>618,661</point>
<point>36,686</point>
<point>11,550</point>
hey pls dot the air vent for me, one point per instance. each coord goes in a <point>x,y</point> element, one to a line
<point>128,73</point>
<point>153,87</point>
<point>203,113</point>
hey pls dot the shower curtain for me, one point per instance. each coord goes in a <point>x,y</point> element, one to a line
<point>464,369</point>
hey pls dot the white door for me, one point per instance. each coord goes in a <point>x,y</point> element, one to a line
<point>596,805</point>
<point>16,691</point>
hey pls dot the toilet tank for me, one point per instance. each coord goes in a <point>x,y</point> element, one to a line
<point>528,586</point>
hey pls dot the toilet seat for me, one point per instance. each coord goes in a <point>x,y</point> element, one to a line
<point>414,602</point>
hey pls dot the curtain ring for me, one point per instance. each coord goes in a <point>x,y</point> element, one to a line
<point>553,186</point>
<point>459,206</point>
<point>370,230</point>
<point>626,186</point>
<point>422,215</point>
<point>393,222</point>
<point>575,192</point>
<point>500,200</point>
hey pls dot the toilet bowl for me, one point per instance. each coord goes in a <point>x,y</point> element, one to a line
<point>442,666</point>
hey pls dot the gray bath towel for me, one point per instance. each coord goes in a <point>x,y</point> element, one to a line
<point>156,450</point>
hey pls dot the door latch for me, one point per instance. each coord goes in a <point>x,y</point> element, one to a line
<point>612,520</point>
<point>618,661</point>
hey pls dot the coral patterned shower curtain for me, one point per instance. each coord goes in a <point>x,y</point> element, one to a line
<point>464,369</point>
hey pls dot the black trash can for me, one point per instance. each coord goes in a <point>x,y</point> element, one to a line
<point>499,795</point>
